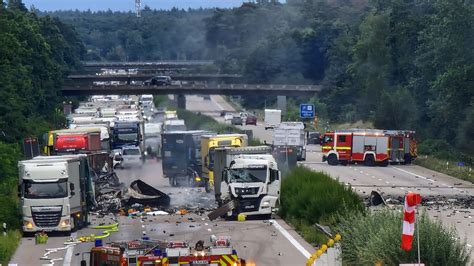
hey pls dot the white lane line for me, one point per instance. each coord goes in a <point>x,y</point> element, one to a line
<point>218,104</point>
<point>69,252</point>
<point>290,238</point>
<point>410,173</point>
<point>425,178</point>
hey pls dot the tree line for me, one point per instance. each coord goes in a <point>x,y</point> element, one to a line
<point>404,64</point>
<point>35,55</point>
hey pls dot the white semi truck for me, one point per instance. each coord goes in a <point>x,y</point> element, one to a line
<point>272,118</point>
<point>55,193</point>
<point>247,181</point>
<point>291,135</point>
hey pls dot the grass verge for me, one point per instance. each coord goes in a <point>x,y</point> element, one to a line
<point>195,121</point>
<point>373,238</point>
<point>8,245</point>
<point>438,165</point>
<point>309,197</point>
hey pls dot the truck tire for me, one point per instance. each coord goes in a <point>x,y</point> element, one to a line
<point>74,225</point>
<point>407,158</point>
<point>332,159</point>
<point>369,160</point>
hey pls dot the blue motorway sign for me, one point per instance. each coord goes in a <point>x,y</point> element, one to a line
<point>307,110</point>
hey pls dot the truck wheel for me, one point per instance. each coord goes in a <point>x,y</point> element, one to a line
<point>407,159</point>
<point>332,159</point>
<point>369,160</point>
<point>74,225</point>
<point>190,182</point>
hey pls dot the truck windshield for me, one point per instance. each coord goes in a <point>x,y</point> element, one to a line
<point>45,190</point>
<point>241,175</point>
<point>127,136</point>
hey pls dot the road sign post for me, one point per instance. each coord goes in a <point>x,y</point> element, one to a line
<point>307,111</point>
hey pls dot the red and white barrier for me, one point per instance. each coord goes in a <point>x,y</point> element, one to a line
<point>411,200</point>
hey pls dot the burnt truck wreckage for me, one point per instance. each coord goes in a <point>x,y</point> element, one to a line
<point>112,196</point>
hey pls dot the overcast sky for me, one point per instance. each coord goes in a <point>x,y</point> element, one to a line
<point>126,5</point>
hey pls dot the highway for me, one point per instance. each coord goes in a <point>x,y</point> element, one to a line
<point>264,242</point>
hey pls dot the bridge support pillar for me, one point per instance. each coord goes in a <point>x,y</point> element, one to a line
<point>181,101</point>
<point>281,103</point>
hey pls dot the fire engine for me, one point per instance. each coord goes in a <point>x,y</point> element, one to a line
<point>220,253</point>
<point>157,253</point>
<point>369,146</point>
<point>130,253</point>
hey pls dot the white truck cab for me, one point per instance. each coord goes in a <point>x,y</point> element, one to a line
<point>53,193</point>
<point>253,182</point>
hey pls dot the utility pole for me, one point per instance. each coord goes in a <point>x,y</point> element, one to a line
<point>138,5</point>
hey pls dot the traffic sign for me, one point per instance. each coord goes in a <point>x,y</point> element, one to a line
<point>307,110</point>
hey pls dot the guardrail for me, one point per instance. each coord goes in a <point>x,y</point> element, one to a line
<point>324,249</point>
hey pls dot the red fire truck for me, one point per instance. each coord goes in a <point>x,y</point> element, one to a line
<point>369,146</point>
<point>156,253</point>
<point>220,253</point>
<point>132,253</point>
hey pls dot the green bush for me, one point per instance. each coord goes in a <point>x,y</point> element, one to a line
<point>314,197</point>
<point>9,156</point>
<point>8,245</point>
<point>199,121</point>
<point>376,237</point>
<point>438,148</point>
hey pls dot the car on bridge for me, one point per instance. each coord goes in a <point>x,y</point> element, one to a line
<point>158,81</point>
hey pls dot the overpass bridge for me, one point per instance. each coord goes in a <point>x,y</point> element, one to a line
<point>128,78</point>
<point>147,65</point>
<point>203,83</point>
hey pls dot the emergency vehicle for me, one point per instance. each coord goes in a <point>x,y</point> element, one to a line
<point>157,253</point>
<point>220,253</point>
<point>131,253</point>
<point>369,146</point>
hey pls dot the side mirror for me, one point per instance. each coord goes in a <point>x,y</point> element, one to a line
<point>71,187</point>
<point>225,176</point>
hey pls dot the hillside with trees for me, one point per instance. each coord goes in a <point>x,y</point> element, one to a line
<point>398,63</point>
<point>35,55</point>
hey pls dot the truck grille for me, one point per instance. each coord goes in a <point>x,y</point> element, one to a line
<point>249,205</point>
<point>46,218</point>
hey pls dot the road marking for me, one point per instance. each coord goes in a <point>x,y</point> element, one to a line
<point>290,238</point>
<point>425,178</point>
<point>410,173</point>
<point>218,105</point>
<point>69,252</point>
